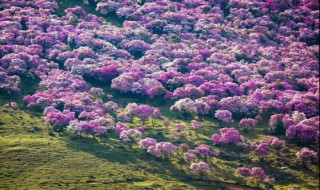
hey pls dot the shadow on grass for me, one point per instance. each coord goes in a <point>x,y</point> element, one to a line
<point>110,151</point>
<point>113,151</point>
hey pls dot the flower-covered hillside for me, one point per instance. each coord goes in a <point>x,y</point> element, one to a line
<point>207,85</point>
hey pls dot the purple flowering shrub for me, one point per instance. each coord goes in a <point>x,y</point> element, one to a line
<point>162,149</point>
<point>224,116</point>
<point>147,142</point>
<point>185,106</point>
<point>66,98</point>
<point>9,83</point>
<point>296,126</point>
<point>204,150</point>
<point>306,155</point>
<point>130,135</point>
<point>256,175</point>
<point>278,123</point>
<point>189,156</point>
<point>227,136</point>
<point>303,133</point>
<point>57,118</point>
<point>199,167</point>
<point>13,105</point>
<point>143,112</point>
<point>195,124</point>
<point>247,123</point>
<point>266,145</point>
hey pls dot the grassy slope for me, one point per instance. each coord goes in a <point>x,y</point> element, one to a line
<point>34,158</point>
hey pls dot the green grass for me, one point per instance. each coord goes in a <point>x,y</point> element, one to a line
<point>34,158</point>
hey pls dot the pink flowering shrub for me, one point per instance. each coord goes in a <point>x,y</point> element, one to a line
<point>195,124</point>
<point>224,116</point>
<point>166,123</point>
<point>185,106</point>
<point>262,150</point>
<point>95,127</point>
<point>228,136</point>
<point>267,144</point>
<point>256,174</point>
<point>147,142</point>
<point>274,142</point>
<point>13,105</point>
<point>9,83</point>
<point>199,167</point>
<point>121,127</point>
<point>144,112</point>
<point>306,155</point>
<point>303,133</point>
<point>180,126</point>
<point>216,139</point>
<point>204,150</point>
<point>130,135</point>
<point>247,123</point>
<point>57,118</point>
<point>189,156</point>
<point>278,123</point>
<point>162,149</point>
